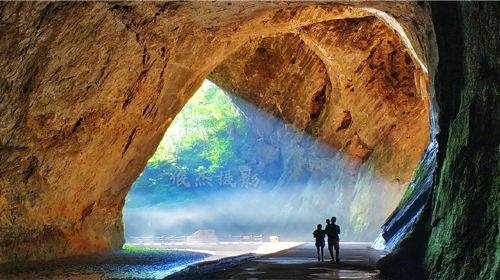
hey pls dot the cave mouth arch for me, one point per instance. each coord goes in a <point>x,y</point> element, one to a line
<point>88,123</point>
<point>318,99</point>
<point>180,191</point>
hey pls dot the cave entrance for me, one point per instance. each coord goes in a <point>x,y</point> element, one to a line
<point>227,171</point>
<point>313,124</point>
<point>338,72</point>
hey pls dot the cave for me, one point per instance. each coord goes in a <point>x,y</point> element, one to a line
<point>407,89</point>
<point>226,165</point>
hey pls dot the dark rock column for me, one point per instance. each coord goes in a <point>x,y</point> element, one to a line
<point>457,236</point>
<point>464,242</point>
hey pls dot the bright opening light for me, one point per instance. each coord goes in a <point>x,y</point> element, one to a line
<point>227,171</point>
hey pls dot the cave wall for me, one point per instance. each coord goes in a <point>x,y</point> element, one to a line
<point>355,93</point>
<point>457,233</point>
<point>464,242</point>
<point>85,102</point>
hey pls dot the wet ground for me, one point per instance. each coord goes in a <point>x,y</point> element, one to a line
<point>131,264</point>
<point>357,262</point>
<point>221,250</point>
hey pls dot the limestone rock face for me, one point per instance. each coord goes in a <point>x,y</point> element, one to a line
<point>84,103</point>
<point>356,93</point>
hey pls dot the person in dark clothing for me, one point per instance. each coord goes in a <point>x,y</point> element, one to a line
<point>332,230</point>
<point>319,235</point>
<point>330,233</point>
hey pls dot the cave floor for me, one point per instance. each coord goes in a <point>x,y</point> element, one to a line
<point>357,262</point>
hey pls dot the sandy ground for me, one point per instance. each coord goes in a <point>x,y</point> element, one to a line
<point>357,262</point>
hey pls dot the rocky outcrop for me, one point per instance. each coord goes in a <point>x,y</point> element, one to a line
<point>85,103</point>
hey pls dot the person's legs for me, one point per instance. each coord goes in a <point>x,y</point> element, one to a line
<point>317,251</point>
<point>337,249</point>
<point>330,248</point>
<point>322,252</point>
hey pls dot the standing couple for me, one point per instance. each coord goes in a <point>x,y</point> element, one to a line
<point>331,230</point>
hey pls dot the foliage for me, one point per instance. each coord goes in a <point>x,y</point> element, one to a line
<point>135,249</point>
<point>204,137</point>
<point>202,133</point>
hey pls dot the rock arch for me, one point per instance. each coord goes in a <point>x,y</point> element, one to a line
<point>85,103</point>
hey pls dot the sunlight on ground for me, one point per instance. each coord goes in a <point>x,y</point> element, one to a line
<point>218,250</point>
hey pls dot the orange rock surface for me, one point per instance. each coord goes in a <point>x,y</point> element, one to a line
<point>87,91</point>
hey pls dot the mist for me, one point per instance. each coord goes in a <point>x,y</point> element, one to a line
<point>270,180</point>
